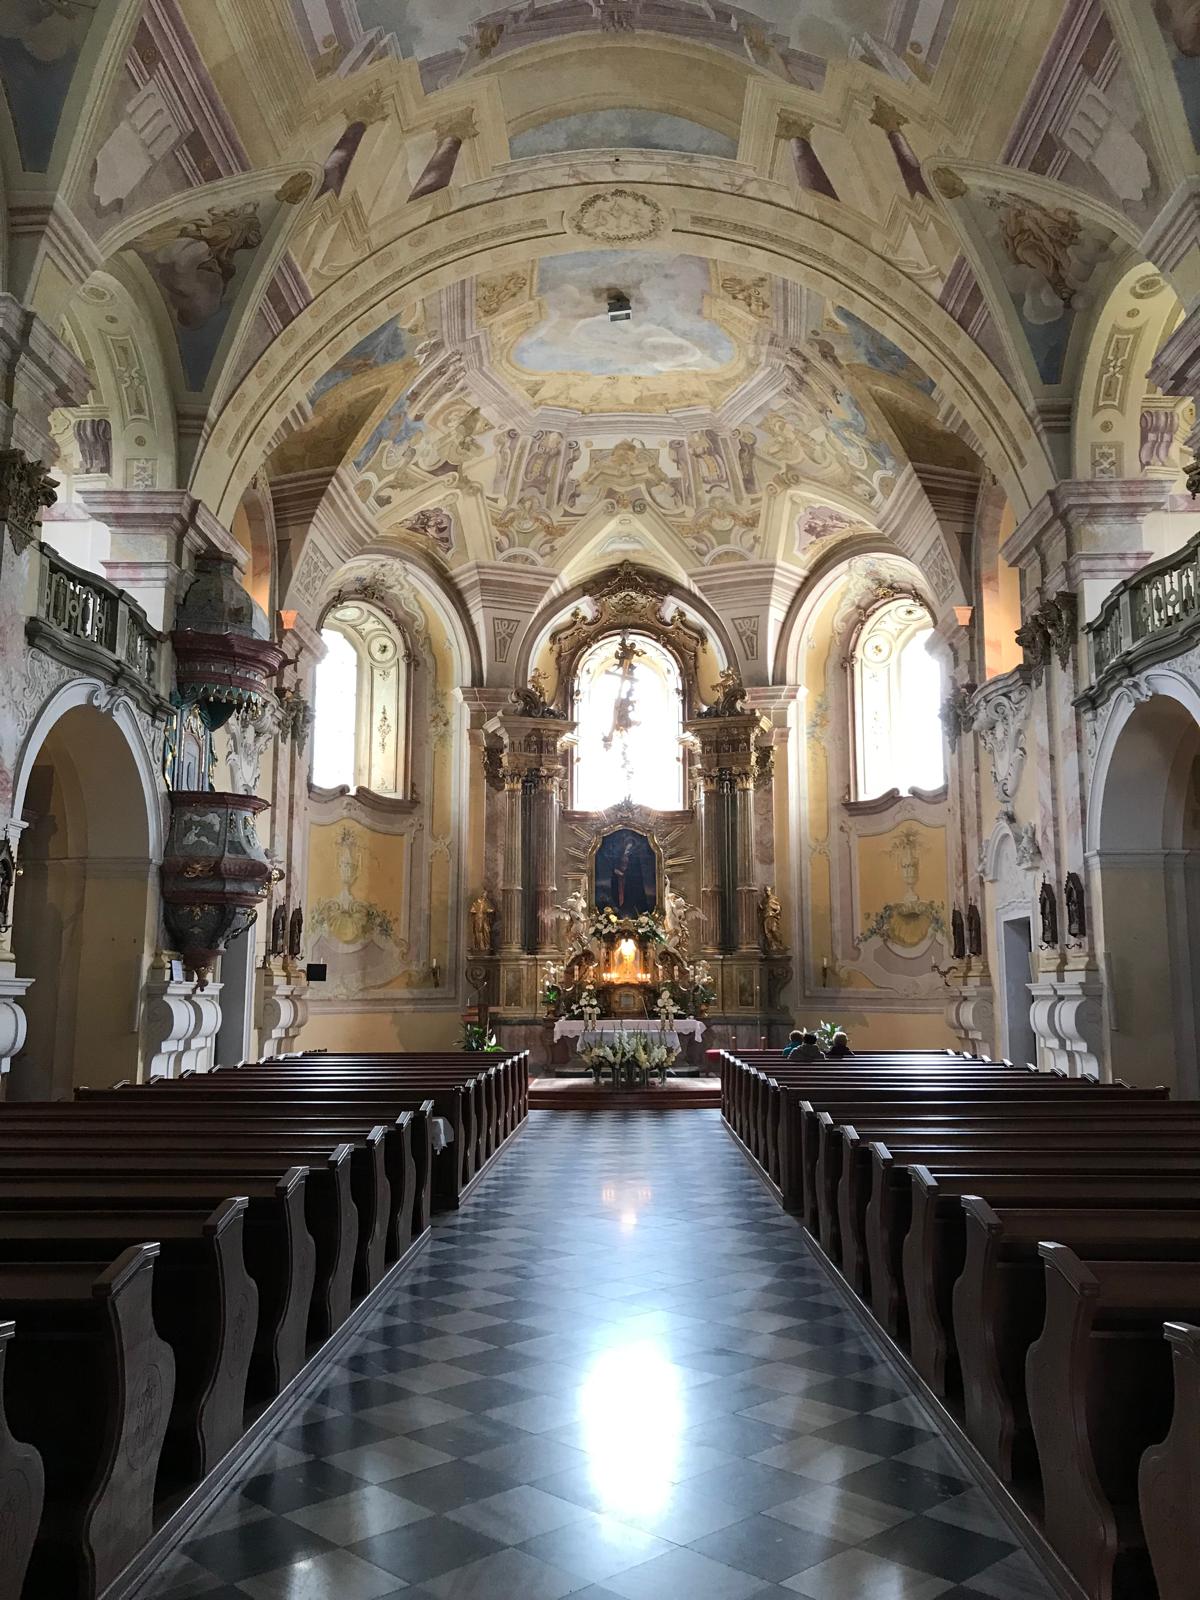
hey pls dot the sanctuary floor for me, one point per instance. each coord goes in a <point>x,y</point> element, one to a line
<point>616,1374</point>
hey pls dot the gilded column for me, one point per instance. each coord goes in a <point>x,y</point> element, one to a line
<point>746,889</point>
<point>707,810</point>
<point>545,878</point>
<point>512,894</point>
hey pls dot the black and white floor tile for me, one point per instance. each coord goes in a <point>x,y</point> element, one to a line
<point>618,1374</point>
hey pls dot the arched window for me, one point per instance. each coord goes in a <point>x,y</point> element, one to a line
<point>897,695</point>
<point>628,705</point>
<point>361,703</point>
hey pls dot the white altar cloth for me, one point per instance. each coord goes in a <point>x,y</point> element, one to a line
<point>575,1027</point>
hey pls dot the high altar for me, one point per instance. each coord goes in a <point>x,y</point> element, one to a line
<point>613,905</point>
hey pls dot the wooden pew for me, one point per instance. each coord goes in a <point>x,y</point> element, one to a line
<point>999,1301</point>
<point>438,1181</point>
<point>939,1136</point>
<point>379,1149</point>
<point>204,1302</point>
<point>815,1110</point>
<point>1169,1477</point>
<point>1098,1379</point>
<point>88,1382</point>
<point>328,1203</point>
<point>933,1250</point>
<point>22,1487</point>
<point>280,1255</point>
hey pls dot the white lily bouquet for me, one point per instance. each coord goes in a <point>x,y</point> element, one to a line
<point>589,1006</point>
<point>666,1008</point>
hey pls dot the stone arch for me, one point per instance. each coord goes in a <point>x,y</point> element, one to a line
<point>1113,383</point>
<point>1144,872</point>
<point>88,907</point>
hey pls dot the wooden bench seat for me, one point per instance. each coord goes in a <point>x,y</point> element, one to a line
<point>1169,1476</point>
<point>1099,1383</point>
<point>89,1383</point>
<point>205,1306</point>
<point>278,1249</point>
<point>22,1489</point>
<point>382,1177</point>
<point>842,1218</point>
<point>999,1301</point>
<point>933,1249</point>
<point>328,1197</point>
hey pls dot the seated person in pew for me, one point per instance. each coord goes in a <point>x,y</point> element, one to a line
<point>839,1047</point>
<point>803,1046</point>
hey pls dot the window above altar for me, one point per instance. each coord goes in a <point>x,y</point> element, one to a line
<point>628,707</point>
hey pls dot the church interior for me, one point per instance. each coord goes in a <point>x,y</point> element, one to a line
<point>599,799</point>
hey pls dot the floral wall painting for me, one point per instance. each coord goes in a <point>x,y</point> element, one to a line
<point>632,129</point>
<point>357,938</point>
<point>40,41</point>
<point>1180,24</point>
<point>1051,262</point>
<point>669,333</point>
<point>199,265</point>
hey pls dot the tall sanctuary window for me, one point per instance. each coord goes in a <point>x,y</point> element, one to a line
<point>628,707</point>
<point>360,715</point>
<point>896,691</point>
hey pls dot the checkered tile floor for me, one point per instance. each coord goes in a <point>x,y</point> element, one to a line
<point>616,1375</point>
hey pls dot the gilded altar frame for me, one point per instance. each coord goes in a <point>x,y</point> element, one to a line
<point>660,864</point>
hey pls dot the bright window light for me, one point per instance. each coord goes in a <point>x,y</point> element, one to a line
<point>897,688</point>
<point>629,712</point>
<point>335,712</point>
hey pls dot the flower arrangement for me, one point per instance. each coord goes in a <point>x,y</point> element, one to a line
<point>623,1049</point>
<point>648,925</point>
<point>587,1006</point>
<point>552,986</point>
<point>478,1036</point>
<point>666,1008</point>
<point>825,1032</point>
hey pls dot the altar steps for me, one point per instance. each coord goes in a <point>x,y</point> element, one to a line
<point>581,1094</point>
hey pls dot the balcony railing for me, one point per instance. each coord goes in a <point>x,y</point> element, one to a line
<point>1147,618</point>
<point>91,624</point>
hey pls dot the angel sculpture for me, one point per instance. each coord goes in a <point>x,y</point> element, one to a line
<point>575,914</point>
<point>679,915</point>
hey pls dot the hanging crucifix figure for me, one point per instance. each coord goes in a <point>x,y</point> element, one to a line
<point>624,705</point>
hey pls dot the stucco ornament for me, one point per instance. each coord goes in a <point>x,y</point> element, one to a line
<point>618,216</point>
<point>999,714</point>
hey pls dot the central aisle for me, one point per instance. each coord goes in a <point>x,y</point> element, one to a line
<point>617,1372</point>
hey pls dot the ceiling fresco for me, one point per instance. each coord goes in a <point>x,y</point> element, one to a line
<point>792,38</point>
<point>776,400</point>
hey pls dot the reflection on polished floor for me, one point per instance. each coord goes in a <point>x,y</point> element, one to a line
<point>617,1375</point>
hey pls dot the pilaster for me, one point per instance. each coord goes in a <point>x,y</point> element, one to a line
<point>156,536</point>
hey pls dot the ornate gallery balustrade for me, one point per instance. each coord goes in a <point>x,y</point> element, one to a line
<point>1152,616</point>
<point>92,625</point>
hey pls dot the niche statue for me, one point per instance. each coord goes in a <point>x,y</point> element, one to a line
<point>974,930</point>
<point>483,918</point>
<point>1048,906</point>
<point>1076,914</point>
<point>296,934</point>
<point>770,916</point>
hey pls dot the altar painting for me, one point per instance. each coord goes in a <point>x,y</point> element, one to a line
<point>625,872</point>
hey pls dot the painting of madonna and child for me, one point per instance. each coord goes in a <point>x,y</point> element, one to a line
<point>626,873</point>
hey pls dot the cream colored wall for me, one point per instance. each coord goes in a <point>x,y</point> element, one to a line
<point>845,868</point>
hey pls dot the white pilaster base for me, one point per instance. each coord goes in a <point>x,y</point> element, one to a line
<point>179,1027</point>
<point>280,1012</point>
<point>12,1018</point>
<point>971,1014</point>
<point>1068,1019</point>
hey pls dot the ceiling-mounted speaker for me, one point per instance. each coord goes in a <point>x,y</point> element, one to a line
<point>619,307</point>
